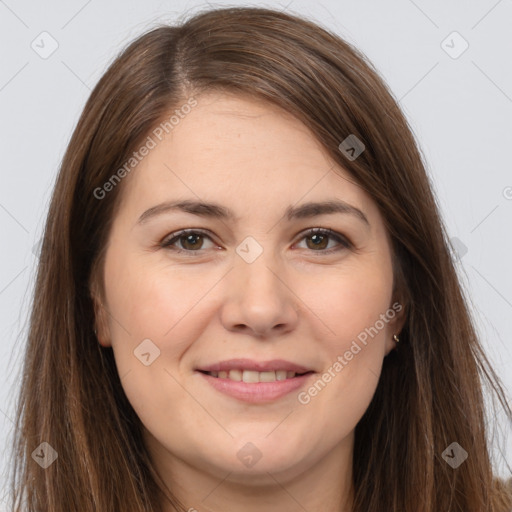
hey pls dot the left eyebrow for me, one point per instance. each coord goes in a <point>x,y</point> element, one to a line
<point>217,211</point>
<point>308,210</point>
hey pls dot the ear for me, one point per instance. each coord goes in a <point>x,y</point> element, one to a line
<point>397,313</point>
<point>101,324</point>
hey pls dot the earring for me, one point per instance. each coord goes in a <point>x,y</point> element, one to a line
<point>95,332</point>
<point>395,337</point>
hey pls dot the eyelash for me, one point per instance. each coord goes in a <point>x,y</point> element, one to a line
<point>174,237</point>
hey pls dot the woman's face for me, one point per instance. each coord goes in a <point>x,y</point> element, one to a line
<point>250,289</point>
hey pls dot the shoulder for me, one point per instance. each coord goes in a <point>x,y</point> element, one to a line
<point>502,494</point>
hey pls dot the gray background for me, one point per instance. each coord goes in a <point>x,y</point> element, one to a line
<point>460,108</point>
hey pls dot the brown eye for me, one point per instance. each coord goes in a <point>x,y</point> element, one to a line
<point>318,240</point>
<point>188,240</point>
<point>191,242</point>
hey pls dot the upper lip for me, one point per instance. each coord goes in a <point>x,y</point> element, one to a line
<point>257,366</point>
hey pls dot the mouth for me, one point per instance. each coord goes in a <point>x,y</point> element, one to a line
<point>256,382</point>
<point>250,376</point>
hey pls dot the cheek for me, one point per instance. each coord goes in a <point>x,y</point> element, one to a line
<point>352,306</point>
<point>160,302</point>
<point>147,299</point>
<point>352,301</point>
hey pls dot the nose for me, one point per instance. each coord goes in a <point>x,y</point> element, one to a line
<point>259,301</point>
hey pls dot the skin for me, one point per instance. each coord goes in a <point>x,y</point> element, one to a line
<point>293,302</point>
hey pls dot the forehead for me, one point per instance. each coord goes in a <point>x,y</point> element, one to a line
<point>243,152</point>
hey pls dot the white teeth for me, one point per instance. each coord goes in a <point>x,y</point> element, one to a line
<point>251,376</point>
<point>267,376</point>
<point>235,375</point>
<point>281,374</point>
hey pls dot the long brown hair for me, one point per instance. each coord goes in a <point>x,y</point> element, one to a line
<point>430,393</point>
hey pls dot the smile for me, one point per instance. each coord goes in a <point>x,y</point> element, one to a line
<point>254,376</point>
<point>255,391</point>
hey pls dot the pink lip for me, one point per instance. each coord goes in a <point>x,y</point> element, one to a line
<point>257,366</point>
<point>256,392</point>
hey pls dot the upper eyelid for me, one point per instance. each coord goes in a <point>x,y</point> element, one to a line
<point>186,231</point>
<point>307,232</point>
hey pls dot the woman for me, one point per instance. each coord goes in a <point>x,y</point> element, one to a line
<point>246,298</point>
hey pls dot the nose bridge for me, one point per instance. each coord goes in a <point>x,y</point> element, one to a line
<point>258,297</point>
<point>255,266</point>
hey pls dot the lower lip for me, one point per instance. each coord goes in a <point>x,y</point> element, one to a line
<point>256,392</point>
